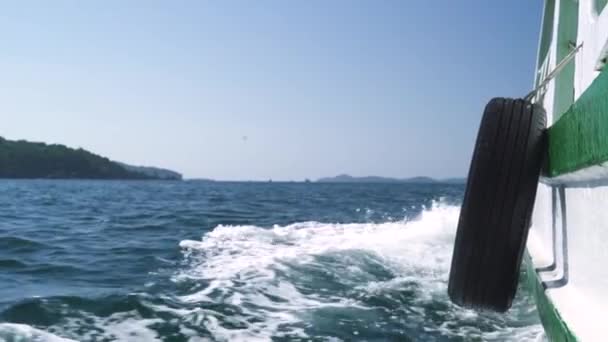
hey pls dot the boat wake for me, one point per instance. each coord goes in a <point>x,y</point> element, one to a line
<point>343,281</point>
<point>308,280</point>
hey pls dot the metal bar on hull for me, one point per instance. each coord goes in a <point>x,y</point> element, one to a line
<point>559,67</point>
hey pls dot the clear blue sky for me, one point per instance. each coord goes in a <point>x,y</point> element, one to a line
<point>318,88</point>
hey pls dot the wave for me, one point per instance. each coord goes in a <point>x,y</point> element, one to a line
<point>346,281</point>
<point>307,280</point>
<point>71,318</point>
<point>23,332</point>
<point>12,264</point>
<point>13,243</point>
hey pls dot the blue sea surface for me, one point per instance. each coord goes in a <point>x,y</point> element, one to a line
<point>230,261</point>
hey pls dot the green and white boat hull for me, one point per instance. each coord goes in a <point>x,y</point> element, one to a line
<point>567,259</point>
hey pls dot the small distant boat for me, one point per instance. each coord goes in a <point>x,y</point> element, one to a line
<point>538,198</point>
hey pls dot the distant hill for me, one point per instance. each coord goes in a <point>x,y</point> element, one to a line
<point>24,159</point>
<point>376,179</point>
<point>152,172</point>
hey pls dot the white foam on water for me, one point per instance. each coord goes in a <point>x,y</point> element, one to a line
<point>12,332</point>
<point>240,291</point>
<point>241,266</point>
<point>121,326</point>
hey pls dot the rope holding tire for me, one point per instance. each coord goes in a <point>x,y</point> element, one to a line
<point>497,205</point>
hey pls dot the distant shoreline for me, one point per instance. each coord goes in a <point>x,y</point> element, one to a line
<point>342,180</point>
<point>449,181</point>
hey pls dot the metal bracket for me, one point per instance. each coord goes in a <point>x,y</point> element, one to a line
<point>560,192</point>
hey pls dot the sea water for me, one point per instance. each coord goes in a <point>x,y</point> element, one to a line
<point>230,261</point>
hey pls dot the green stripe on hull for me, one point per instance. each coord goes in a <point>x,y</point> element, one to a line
<point>555,327</point>
<point>578,139</point>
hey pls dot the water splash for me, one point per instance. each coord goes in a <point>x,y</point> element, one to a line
<point>346,281</point>
<point>307,280</point>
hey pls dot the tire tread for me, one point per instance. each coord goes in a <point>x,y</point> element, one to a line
<point>497,205</point>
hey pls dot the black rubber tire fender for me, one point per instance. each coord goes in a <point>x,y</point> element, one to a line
<point>497,206</point>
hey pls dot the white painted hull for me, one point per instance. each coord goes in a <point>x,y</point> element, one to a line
<point>574,241</point>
